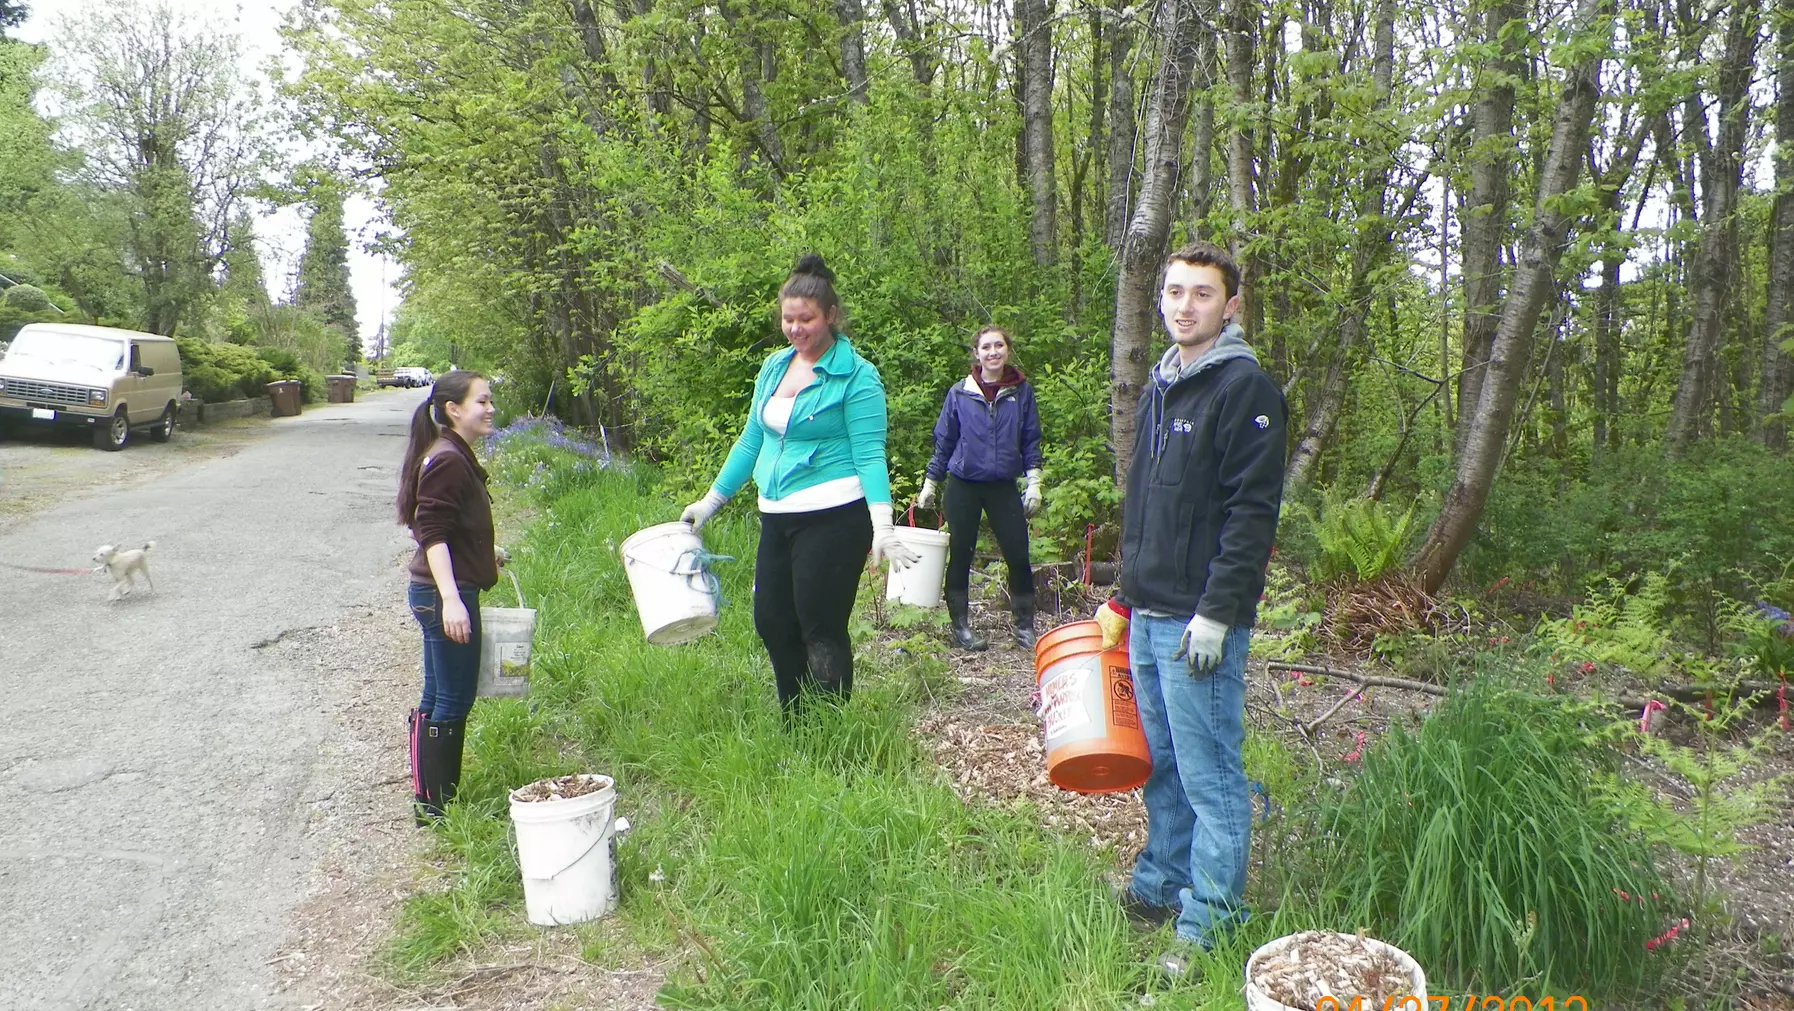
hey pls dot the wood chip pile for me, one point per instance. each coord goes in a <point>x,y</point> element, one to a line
<point>1002,764</point>
<point>1321,963</point>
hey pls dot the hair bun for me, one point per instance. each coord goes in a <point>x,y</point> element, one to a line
<point>811,263</point>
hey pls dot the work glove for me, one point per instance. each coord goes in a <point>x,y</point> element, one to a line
<point>1031,496</point>
<point>1201,644</point>
<point>501,556</point>
<point>926,498</point>
<point>1113,616</point>
<point>699,512</point>
<point>885,542</point>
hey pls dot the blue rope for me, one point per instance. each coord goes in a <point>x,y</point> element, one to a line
<point>701,560</point>
<point>1259,788</point>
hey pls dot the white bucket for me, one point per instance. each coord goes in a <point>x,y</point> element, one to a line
<point>674,595</point>
<point>920,584</point>
<point>564,852</point>
<point>506,635</point>
<point>1257,1000</point>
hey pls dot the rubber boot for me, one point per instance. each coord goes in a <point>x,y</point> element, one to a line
<point>959,608</point>
<point>1021,608</point>
<point>439,765</point>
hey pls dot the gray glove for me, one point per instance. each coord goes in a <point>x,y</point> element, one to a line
<point>926,498</point>
<point>699,512</point>
<point>1031,496</point>
<point>1202,643</point>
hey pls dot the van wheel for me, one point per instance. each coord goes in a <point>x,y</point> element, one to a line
<point>114,434</point>
<point>164,429</point>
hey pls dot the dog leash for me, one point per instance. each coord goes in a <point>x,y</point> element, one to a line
<point>44,571</point>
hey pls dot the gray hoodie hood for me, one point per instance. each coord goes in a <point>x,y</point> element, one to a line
<point>1229,345</point>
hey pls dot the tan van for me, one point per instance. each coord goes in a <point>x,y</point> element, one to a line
<point>108,380</point>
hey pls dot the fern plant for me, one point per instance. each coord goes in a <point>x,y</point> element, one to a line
<point>1358,537</point>
<point>1704,824</point>
<point>1617,625</point>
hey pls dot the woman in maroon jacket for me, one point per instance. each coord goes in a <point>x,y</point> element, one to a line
<point>443,499</point>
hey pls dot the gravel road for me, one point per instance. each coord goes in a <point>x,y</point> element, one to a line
<point>161,758</point>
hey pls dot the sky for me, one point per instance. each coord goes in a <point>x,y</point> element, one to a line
<point>281,233</point>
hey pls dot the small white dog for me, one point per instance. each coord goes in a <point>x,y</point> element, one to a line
<point>120,564</point>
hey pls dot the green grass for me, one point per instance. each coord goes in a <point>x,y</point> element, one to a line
<point>828,865</point>
<point>1477,844</point>
<point>824,866</point>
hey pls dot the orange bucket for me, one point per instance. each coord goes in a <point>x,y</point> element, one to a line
<point>1093,739</point>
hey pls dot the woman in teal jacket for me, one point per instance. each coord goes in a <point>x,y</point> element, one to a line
<point>815,446</point>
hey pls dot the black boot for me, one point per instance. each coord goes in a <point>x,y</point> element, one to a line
<point>959,608</point>
<point>1021,607</point>
<point>438,765</point>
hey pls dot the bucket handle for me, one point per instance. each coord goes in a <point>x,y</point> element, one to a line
<point>910,517</point>
<point>699,576</point>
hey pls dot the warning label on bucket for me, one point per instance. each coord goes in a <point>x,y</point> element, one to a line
<point>1122,712</point>
<point>1062,705</point>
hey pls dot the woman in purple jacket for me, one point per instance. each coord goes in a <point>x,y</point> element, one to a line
<point>988,435</point>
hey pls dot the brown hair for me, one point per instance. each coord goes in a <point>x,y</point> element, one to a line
<point>427,423</point>
<point>812,279</point>
<point>1207,254</point>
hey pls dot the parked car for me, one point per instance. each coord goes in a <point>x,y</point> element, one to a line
<point>109,381</point>
<point>414,376</point>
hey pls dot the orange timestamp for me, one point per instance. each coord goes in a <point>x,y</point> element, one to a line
<point>1472,1002</point>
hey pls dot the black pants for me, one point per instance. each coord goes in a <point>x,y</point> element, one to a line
<point>805,576</point>
<point>999,500</point>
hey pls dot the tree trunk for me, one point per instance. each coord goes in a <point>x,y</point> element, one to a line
<point>755,64</point>
<point>1034,48</point>
<point>1121,136</point>
<point>1484,222</point>
<point>853,48</point>
<point>908,29</point>
<point>1778,370</point>
<point>1716,260</point>
<point>1202,135</point>
<point>1241,32</point>
<point>1607,353</point>
<point>1534,282</point>
<point>1143,247</point>
<point>1370,247</point>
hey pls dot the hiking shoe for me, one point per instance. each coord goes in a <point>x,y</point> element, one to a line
<point>1141,914</point>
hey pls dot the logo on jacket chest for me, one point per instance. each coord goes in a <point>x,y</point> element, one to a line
<point>1182,426</point>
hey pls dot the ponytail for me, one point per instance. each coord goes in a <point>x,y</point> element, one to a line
<point>427,423</point>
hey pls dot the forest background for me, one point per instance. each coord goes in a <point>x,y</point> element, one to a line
<point>1522,267</point>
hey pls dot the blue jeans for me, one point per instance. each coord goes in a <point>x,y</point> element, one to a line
<point>451,669</point>
<point>1198,814</point>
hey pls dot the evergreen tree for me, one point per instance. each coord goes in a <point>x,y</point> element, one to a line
<point>323,287</point>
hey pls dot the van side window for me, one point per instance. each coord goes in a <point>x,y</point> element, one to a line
<point>136,357</point>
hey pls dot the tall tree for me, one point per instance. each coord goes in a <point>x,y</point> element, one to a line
<point>1721,175</point>
<point>163,117</point>
<point>1778,369</point>
<point>1591,34</point>
<point>1034,51</point>
<point>1484,222</point>
<point>1119,206</point>
<point>1369,249</point>
<point>1143,247</point>
<point>323,284</point>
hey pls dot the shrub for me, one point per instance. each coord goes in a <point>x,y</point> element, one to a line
<point>1478,845</point>
<point>1719,516</point>
<point>219,372</point>
<point>1353,536</point>
<point>27,298</point>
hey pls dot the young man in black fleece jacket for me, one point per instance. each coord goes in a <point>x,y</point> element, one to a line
<point>1203,491</point>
